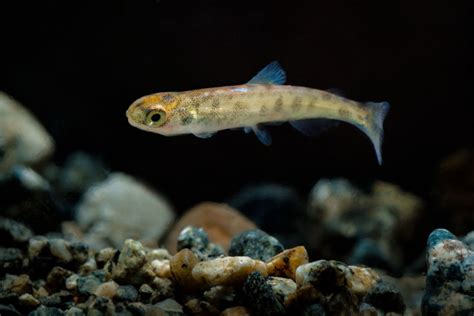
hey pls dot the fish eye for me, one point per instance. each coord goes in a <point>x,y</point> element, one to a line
<point>156,118</point>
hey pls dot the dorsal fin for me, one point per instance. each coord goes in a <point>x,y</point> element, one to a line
<point>271,74</point>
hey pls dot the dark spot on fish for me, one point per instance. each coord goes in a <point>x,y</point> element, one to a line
<point>311,104</point>
<point>186,118</point>
<point>263,110</point>
<point>215,103</point>
<point>296,105</point>
<point>279,104</point>
<point>344,113</point>
<point>167,98</point>
<point>239,105</point>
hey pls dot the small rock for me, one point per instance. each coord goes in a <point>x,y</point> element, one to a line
<point>255,244</point>
<point>220,296</point>
<point>107,289</point>
<point>196,239</point>
<point>450,276</point>
<point>46,311</point>
<point>11,260</point>
<point>74,311</point>
<point>28,300</point>
<point>17,284</point>
<point>88,266</point>
<point>220,221</point>
<point>236,311</point>
<point>327,276</point>
<point>36,246</point>
<point>56,279</point>
<point>198,307</point>
<point>101,306</point>
<point>131,259</point>
<point>226,271</point>
<point>182,265</point>
<point>13,233</point>
<point>170,307</point>
<point>126,293</point>
<point>59,249</point>
<point>285,263</point>
<point>342,302</point>
<point>146,293</point>
<point>87,285</point>
<point>164,287</point>
<point>260,297</point>
<point>71,282</point>
<point>283,288</point>
<point>386,297</point>
<point>104,212</point>
<point>161,268</point>
<point>105,255</point>
<point>23,140</point>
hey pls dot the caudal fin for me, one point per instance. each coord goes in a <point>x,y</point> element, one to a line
<point>379,110</point>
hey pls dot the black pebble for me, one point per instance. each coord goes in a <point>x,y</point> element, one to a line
<point>386,297</point>
<point>260,297</point>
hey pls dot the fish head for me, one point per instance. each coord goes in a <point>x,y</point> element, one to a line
<point>155,113</point>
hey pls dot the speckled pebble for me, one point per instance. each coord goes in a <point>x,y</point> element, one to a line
<point>18,284</point>
<point>285,263</point>
<point>226,271</point>
<point>36,245</point>
<point>131,259</point>
<point>450,277</point>
<point>74,311</point>
<point>170,307</point>
<point>283,288</point>
<point>326,276</point>
<point>255,244</point>
<point>386,297</point>
<point>126,293</point>
<point>220,296</point>
<point>259,296</point>
<point>59,249</point>
<point>196,239</point>
<point>161,268</point>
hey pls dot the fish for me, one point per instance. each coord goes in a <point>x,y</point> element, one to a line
<point>252,106</point>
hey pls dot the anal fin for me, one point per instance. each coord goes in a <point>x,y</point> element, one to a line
<point>313,127</point>
<point>263,135</point>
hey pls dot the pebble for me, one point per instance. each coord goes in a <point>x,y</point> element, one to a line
<point>74,311</point>
<point>181,266</point>
<point>286,262</point>
<point>220,296</point>
<point>57,277</point>
<point>131,259</point>
<point>170,307</point>
<point>107,289</point>
<point>196,239</point>
<point>236,311</point>
<point>450,276</point>
<point>87,285</point>
<point>23,140</point>
<point>283,288</point>
<point>36,246</point>
<point>326,276</point>
<point>104,212</point>
<point>161,268</point>
<point>18,284</point>
<point>105,255</point>
<point>126,293</point>
<point>11,260</point>
<point>220,221</point>
<point>47,311</point>
<point>59,249</point>
<point>259,296</point>
<point>255,244</point>
<point>386,297</point>
<point>226,271</point>
<point>13,233</point>
<point>28,300</point>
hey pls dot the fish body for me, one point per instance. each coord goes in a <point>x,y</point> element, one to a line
<point>261,101</point>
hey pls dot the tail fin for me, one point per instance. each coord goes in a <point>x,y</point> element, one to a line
<point>379,111</point>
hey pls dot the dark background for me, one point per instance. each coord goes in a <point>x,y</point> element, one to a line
<point>79,64</point>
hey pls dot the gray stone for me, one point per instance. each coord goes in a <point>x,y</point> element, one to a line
<point>23,140</point>
<point>126,293</point>
<point>47,311</point>
<point>386,297</point>
<point>450,276</point>
<point>13,232</point>
<point>197,241</point>
<point>255,244</point>
<point>120,207</point>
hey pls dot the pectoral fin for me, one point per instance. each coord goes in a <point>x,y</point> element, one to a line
<point>263,135</point>
<point>204,135</point>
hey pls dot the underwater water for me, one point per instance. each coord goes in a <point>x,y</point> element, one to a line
<point>100,217</point>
